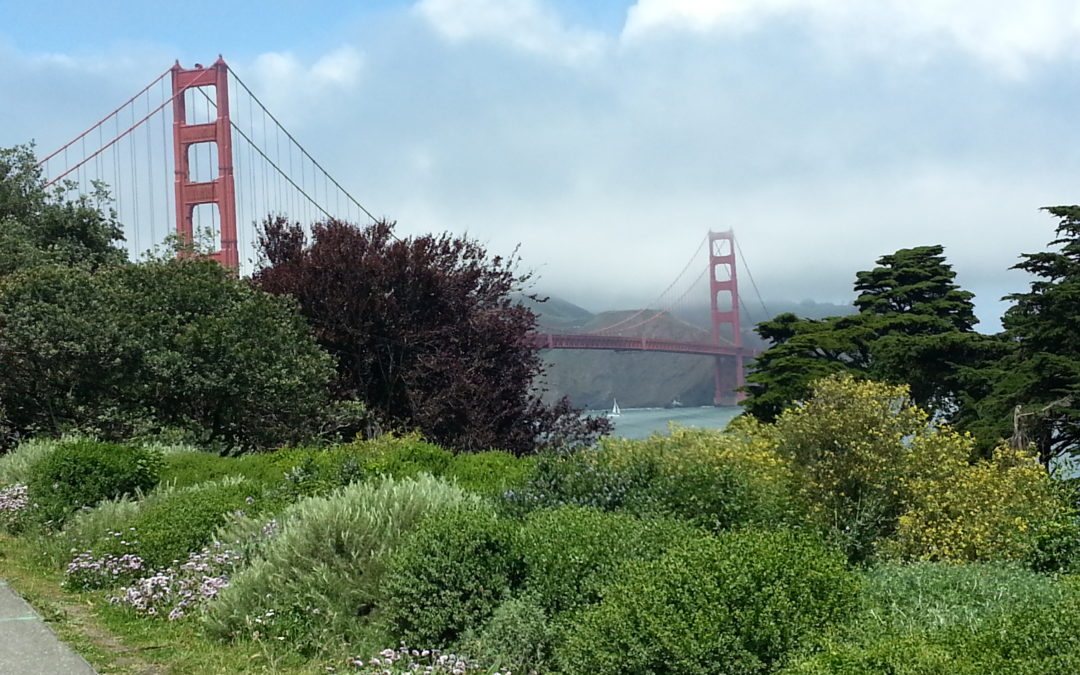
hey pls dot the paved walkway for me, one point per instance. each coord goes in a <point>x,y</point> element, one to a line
<point>28,646</point>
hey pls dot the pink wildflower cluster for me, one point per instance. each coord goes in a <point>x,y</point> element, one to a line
<point>89,570</point>
<point>173,592</point>
<point>434,661</point>
<point>14,500</point>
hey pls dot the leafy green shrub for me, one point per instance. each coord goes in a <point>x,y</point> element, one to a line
<point>736,603</point>
<point>400,456</point>
<point>186,347</point>
<point>519,637</point>
<point>184,469</point>
<point>81,473</point>
<point>320,577</point>
<point>449,576</point>
<point>898,655</point>
<point>715,479</point>
<point>718,480</point>
<point>171,526</point>
<point>1056,546</point>
<point>15,465</point>
<point>579,478</point>
<point>268,468</point>
<point>571,552</point>
<point>489,473</point>
<point>707,495</point>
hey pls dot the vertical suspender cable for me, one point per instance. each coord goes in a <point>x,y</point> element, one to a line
<point>152,223</point>
<point>136,218</point>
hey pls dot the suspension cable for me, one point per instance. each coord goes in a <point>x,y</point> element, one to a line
<point>106,118</point>
<point>302,149</point>
<point>750,275</point>
<point>659,297</point>
<point>119,136</point>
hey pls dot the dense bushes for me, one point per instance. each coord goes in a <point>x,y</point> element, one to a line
<point>449,577</point>
<point>82,473</point>
<point>996,509</point>
<point>321,577</point>
<point>489,473</point>
<point>737,603</point>
<point>571,552</point>
<point>874,475</point>
<point>709,478</point>
<point>846,447</point>
<point>185,347</point>
<point>519,636</point>
<point>15,465</point>
<point>180,521</point>
<point>663,555</point>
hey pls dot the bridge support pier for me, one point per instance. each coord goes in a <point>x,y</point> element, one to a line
<point>729,375</point>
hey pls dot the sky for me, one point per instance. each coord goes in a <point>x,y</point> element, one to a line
<point>606,137</point>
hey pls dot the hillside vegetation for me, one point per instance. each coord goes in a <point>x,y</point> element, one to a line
<point>851,535</point>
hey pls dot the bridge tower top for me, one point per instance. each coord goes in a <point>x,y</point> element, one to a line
<point>724,289</point>
<point>221,191</point>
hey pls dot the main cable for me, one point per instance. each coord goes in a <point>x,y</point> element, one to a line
<point>301,148</point>
<point>659,297</point>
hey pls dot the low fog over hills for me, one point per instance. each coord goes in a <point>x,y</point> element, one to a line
<point>592,379</point>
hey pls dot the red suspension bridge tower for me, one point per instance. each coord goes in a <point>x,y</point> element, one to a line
<point>220,192</point>
<point>724,306</point>
<point>207,170</point>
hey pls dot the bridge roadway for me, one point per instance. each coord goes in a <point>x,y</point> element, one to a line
<point>616,343</point>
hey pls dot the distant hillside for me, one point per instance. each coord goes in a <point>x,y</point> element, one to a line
<point>592,379</point>
<point>559,315</point>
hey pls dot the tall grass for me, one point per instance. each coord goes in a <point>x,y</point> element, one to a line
<point>922,597</point>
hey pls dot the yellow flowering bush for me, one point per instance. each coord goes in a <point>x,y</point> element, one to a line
<point>877,476</point>
<point>848,450</point>
<point>995,509</point>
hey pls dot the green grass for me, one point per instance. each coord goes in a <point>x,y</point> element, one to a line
<point>115,640</point>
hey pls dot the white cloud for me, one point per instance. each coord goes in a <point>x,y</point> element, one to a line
<point>526,25</point>
<point>1007,36</point>
<point>289,86</point>
<point>341,68</point>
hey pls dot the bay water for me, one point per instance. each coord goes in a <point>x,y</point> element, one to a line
<point>643,422</point>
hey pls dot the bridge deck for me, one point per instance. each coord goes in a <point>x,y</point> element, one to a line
<point>616,343</point>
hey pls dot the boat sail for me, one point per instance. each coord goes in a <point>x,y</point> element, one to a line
<point>615,412</point>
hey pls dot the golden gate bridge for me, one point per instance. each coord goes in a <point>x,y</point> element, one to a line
<point>232,163</point>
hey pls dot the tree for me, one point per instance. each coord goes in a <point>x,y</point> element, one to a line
<point>425,332</point>
<point>38,227</point>
<point>914,325</point>
<point>802,351</point>
<point>1034,390</point>
<point>164,345</point>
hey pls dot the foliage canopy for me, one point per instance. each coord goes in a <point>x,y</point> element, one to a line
<point>425,332</point>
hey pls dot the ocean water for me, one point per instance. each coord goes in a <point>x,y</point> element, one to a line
<point>642,422</point>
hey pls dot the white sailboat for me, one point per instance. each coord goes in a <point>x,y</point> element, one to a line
<point>615,412</point>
